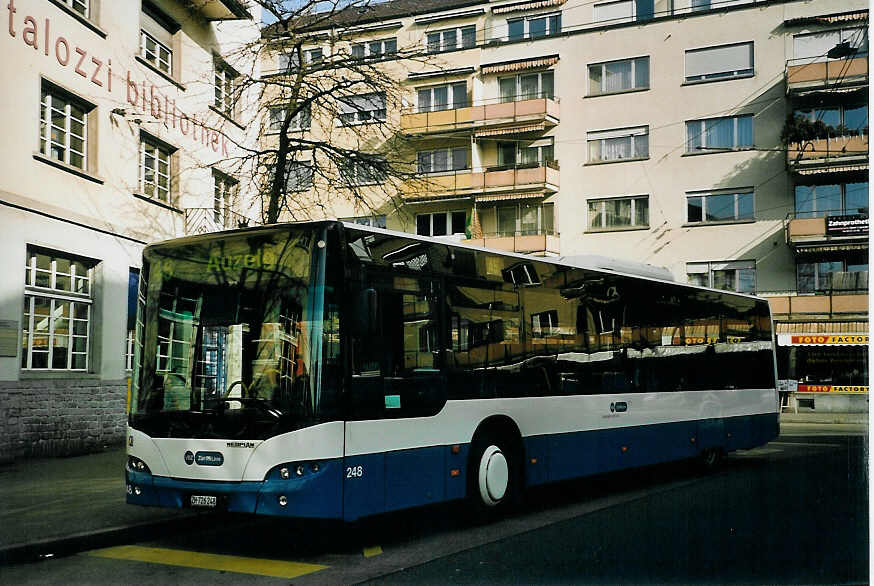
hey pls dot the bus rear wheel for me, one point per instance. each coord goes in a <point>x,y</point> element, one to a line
<point>492,477</point>
<point>709,459</point>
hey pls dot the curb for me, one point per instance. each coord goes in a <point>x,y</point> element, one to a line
<point>71,544</point>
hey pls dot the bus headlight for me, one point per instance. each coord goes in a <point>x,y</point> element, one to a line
<point>137,465</point>
<point>284,474</point>
<point>299,470</point>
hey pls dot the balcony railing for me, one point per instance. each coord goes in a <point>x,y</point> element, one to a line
<point>825,153</point>
<point>823,303</point>
<point>537,177</point>
<point>836,225</point>
<point>205,220</point>
<point>811,74</point>
<point>530,114</point>
<point>537,241</point>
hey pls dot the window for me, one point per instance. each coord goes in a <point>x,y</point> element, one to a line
<point>300,121</point>
<point>619,213</point>
<point>730,132</point>
<point>363,170</point>
<point>841,120</point>
<point>133,283</point>
<point>739,276</point>
<point>298,175</point>
<point>288,62</point>
<point>225,78</point>
<point>833,275</point>
<point>441,160</point>
<point>375,221</point>
<point>224,190</point>
<point>817,201</point>
<point>722,206</point>
<point>725,61</point>
<point>158,38</point>
<point>517,154</point>
<point>442,97</point>
<point>815,46</point>
<point>534,27</point>
<point>617,145</point>
<point>545,324</point>
<point>155,168</point>
<point>441,223</point>
<point>527,87</point>
<point>58,297</point>
<point>525,219</point>
<point>619,76</point>
<point>375,49</point>
<point>63,127</point>
<point>700,5</point>
<point>362,108</point>
<point>79,6</point>
<point>623,11</point>
<point>448,40</point>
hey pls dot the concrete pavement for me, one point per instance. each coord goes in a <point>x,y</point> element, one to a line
<point>57,506</point>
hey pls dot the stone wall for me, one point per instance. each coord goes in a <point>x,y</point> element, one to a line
<point>60,417</point>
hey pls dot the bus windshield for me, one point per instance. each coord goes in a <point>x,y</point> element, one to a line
<point>232,336</point>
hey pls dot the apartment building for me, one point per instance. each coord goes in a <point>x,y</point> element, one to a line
<point>726,141</point>
<point>117,126</point>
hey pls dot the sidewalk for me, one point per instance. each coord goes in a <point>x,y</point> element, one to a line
<point>57,505</point>
<point>64,505</point>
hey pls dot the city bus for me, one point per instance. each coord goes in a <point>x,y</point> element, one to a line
<point>333,370</point>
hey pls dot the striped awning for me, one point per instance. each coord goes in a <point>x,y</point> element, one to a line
<point>520,65</point>
<point>519,6</point>
<point>487,197</point>
<point>509,130</point>
<point>819,249</point>
<point>822,327</point>
<point>854,16</point>
<point>841,169</point>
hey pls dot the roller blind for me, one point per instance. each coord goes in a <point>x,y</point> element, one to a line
<point>714,60</point>
<point>614,10</point>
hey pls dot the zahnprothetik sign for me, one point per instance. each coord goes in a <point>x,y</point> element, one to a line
<point>37,33</point>
<point>846,225</point>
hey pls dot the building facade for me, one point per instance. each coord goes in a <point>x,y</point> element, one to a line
<point>725,141</point>
<point>117,129</point>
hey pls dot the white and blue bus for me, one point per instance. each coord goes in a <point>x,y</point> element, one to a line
<point>332,370</point>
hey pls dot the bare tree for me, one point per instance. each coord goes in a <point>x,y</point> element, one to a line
<point>328,106</point>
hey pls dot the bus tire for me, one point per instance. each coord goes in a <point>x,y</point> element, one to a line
<point>493,477</point>
<point>709,459</point>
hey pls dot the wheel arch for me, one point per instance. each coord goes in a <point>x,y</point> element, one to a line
<point>503,426</point>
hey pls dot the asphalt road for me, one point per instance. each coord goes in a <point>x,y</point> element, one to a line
<point>795,511</point>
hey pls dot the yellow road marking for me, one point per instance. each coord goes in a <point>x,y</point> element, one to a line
<point>208,561</point>
<point>369,552</point>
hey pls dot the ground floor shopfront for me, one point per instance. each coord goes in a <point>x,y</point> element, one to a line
<point>824,365</point>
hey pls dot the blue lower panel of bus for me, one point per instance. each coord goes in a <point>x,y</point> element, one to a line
<point>370,484</point>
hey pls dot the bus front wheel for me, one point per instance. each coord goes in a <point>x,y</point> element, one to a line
<point>492,477</point>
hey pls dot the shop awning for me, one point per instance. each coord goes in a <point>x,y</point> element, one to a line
<point>824,333</point>
<point>509,130</point>
<point>833,169</point>
<point>854,16</point>
<point>519,6</point>
<point>520,65</point>
<point>508,196</point>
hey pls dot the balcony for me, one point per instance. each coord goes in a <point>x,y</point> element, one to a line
<point>807,74</point>
<point>830,229</point>
<point>513,117</point>
<point>542,243</point>
<point>541,178</point>
<point>835,154</point>
<point>205,220</point>
<point>790,304</point>
<point>221,9</point>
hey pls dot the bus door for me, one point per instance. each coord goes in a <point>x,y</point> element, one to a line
<point>396,376</point>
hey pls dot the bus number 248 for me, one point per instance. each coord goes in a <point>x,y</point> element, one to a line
<point>354,471</point>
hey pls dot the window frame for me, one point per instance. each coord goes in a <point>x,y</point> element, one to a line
<point>817,213</point>
<point>54,294</point>
<point>701,135</point>
<point>602,213</point>
<point>448,215</point>
<point>161,148</point>
<point>225,193</point>
<point>69,101</point>
<point>550,19</point>
<point>631,132</point>
<point>361,173</point>
<point>634,66</point>
<point>841,34</point>
<point>705,195</point>
<point>86,7</point>
<point>719,75</point>
<point>450,97</point>
<point>518,95</point>
<point>224,86</point>
<point>157,61</point>
<point>297,121</point>
<point>308,180</point>
<point>518,228</point>
<point>450,159</point>
<point>367,48</point>
<point>373,117</point>
<point>710,267</point>
<point>459,43</point>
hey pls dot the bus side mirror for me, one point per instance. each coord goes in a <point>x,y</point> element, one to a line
<point>367,313</point>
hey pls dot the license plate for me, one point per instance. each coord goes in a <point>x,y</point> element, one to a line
<point>203,501</point>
